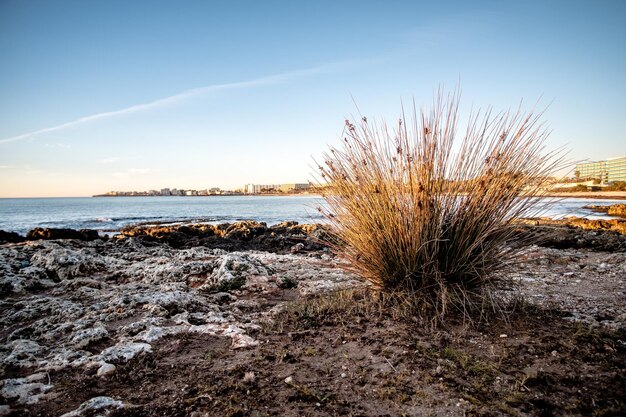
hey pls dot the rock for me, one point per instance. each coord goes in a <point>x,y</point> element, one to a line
<point>124,352</point>
<point>232,272</point>
<point>596,235</point>
<point>244,235</point>
<point>245,230</point>
<point>289,380</point>
<point>152,334</point>
<point>242,341</point>
<point>84,337</point>
<point>51,234</point>
<point>617,210</point>
<point>28,390</point>
<point>297,248</point>
<point>66,263</point>
<point>106,370</point>
<point>23,354</point>
<point>10,237</point>
<point>5,410</point>
<point>612,210</point>
<point>97,406</point>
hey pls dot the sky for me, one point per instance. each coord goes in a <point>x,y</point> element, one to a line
<point>119,95</point>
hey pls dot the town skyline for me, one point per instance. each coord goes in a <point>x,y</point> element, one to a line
<point>249,188</point>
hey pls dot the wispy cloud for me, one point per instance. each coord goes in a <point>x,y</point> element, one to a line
<point>271,79</point>
<point>57,145</point>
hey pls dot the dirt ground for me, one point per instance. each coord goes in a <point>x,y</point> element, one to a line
<point>328,356</point>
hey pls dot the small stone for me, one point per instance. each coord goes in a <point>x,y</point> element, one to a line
<point>503,336</point>
<point>289,380</point>
<point>242,341</point>
<point>248,377</point>
<point>343,375</point>
<point>106,369</point>
<point>298,247</point>
<point>554,353</point>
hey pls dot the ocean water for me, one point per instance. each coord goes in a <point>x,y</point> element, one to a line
<point>109,214</point>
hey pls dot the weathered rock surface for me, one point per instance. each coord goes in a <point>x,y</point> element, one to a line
<point>10,237</point>
<point>96,304</point>
<point>586,286</point>
<point>246,235</point>
<point>50,233</point>
<point>97,406</point>
<point>575,233</point>
<point>612,210</point>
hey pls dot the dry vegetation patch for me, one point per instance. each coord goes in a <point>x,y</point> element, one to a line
<point>427,219</point>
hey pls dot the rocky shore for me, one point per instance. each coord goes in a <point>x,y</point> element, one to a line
<point>612,210</point>
<point>85,318</point>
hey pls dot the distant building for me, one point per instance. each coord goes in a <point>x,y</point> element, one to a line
<point>289,188</point>
<point>273,188</point>
<point>607,171</point>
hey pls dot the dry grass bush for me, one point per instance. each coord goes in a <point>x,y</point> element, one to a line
<point>426,220</point>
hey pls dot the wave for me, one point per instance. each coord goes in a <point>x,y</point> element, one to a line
<point>103,220</point>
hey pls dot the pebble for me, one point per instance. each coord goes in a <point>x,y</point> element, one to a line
<point>289,380</point>
<point>106,369</point>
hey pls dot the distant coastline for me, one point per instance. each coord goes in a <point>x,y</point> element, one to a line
<point>308,193</point>
<point>608,195</point>
<point>248,189</point>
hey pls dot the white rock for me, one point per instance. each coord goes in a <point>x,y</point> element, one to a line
<point>124,352</point>
<point>23,353</point>
<point>102,405</point>
<point>106,369</point>
<point>289,380</point>
<point>28,390</point>
<point>84,337</point>
<point>152,334</point>
<point>241,341</point>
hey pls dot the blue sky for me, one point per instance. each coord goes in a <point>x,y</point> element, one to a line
<point>119,95</point>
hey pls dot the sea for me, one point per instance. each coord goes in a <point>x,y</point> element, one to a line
<point>110,214</point>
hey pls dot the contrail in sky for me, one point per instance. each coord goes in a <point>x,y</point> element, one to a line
<point>271,79</point>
